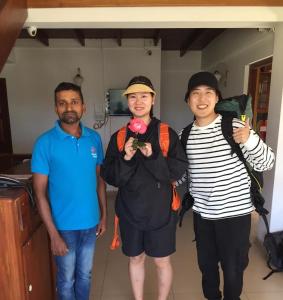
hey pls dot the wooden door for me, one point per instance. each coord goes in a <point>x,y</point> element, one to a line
<point>37,267</point>
<point>5,129</point>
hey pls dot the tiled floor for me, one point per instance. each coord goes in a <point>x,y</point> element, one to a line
<point>111,282</point>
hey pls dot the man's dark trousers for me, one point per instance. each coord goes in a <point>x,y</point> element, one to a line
<point>224,241</point>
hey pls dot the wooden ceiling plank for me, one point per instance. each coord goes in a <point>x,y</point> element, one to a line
<point>80,36</point>
<point>119,38</point>
<point>42,37</point>
<point>211,35</point>
<point>190,40</point>
<point>172,39</point>
<point>156,37</point>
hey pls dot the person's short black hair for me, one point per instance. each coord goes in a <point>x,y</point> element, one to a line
<point>67,86</point>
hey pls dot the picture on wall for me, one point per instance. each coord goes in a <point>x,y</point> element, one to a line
<point>118,103</point>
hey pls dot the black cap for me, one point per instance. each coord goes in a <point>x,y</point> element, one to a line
<point>202,78</point>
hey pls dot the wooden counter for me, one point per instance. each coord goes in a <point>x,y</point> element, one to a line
<point>25,259</point>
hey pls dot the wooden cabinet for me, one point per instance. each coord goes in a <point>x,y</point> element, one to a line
<point>25,259</point>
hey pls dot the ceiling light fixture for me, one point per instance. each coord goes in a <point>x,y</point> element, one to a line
<point>78,79</point>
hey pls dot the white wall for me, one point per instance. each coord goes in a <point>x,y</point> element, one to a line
<point>175,74</point>
<point>273,190</point>
<point>232,51</point>
<point>34,71</point>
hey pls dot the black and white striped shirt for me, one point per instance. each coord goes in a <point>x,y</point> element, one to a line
<point>218,180</point>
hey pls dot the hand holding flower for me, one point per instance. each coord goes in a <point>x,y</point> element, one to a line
<point>129,150</point>
<point>146,150</point>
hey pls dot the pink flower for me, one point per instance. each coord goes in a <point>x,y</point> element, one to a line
<point>137,126</point>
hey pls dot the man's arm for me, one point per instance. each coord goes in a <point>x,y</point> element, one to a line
<point>58,245</point>
<point>101,192</point>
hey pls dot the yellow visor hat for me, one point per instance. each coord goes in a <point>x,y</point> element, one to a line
<point>138,88</point>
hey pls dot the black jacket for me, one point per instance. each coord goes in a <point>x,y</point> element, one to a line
<point>145,191</point>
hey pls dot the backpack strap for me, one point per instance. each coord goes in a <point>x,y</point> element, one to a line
<point>164,142</point>
<point>121,138</point>
<point>188,200</point>
<point>116,240</point>
<point>227,131</point>
<point>185,135</point>
<point>164,138</point>
<point>270,273</point>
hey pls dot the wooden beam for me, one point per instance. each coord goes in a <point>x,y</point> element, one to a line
<point>80,36</point>
<point>13,14</point>
<point>211,34</point>
<point>192,38</point>
<point>119,38</point>
<point>42,37</point>
<point>156,37</point>
<point>133,3</point>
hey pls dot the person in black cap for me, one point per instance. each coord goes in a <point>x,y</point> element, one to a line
<point>144,176</point>
<point>220,186</point>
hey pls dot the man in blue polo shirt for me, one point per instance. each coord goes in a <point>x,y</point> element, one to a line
<point>70,193</point>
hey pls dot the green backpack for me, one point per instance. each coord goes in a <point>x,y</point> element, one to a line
<point>236,107</point>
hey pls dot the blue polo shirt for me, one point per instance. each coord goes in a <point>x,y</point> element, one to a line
<point>70,164</point>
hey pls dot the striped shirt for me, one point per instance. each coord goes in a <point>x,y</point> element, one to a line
<point>219,182</point>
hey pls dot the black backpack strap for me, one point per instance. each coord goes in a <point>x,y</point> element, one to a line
<point>269,274</point>
<point>263,215</point>
<point>187,204</point>
<point>185,135</point>
<point>188,200</point>
<point>227,131</point>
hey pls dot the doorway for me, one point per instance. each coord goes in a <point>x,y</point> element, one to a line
<point>5,129</point>
<point>259,89</point>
